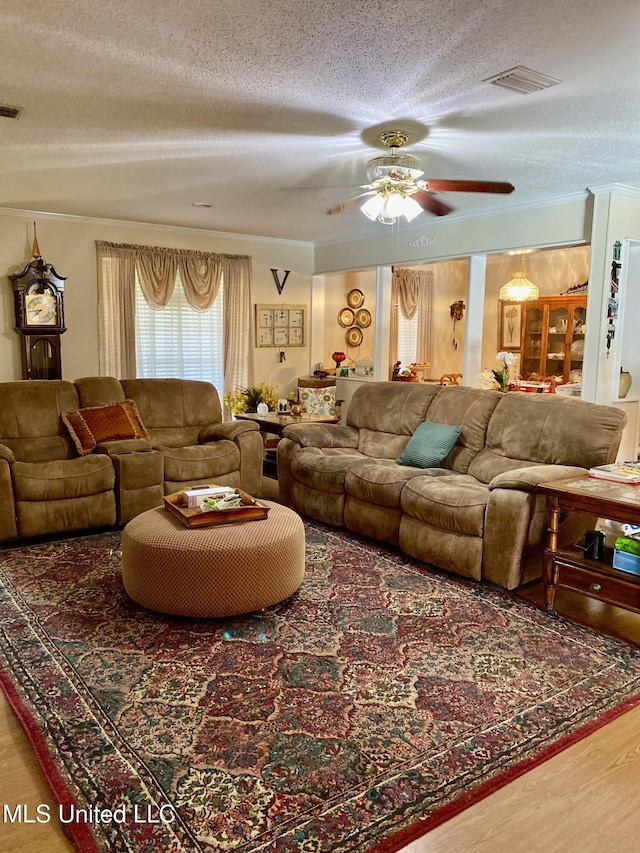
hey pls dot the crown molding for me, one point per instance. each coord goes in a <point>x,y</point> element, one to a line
<point>122,223</point>
<point>620,189</point>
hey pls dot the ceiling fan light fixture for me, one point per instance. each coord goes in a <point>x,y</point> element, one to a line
<point>410,208</point>
<point>393,207</point>
<point>387,207</point>
<point>372,208</point>
<point>395,178</point>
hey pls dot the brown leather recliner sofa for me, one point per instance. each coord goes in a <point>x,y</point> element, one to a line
<point>479,514</point>
<point>48,486</point>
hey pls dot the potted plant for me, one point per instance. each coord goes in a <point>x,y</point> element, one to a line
<point>245,400</point>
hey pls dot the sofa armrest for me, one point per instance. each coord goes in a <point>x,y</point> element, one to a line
<point>128,445</point>
<point>7,454</point>
<point>8,522</point>
<point>228,429</point>
<point>529,478</point>
<point>322,435</point>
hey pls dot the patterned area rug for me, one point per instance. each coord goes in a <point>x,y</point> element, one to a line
<point>378,701</point>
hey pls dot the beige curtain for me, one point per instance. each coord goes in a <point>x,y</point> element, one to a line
<point>116,311</point>
<point>157,275</point>
<point>411,292</point>
<point>238,324</point>
<point>156,267</point>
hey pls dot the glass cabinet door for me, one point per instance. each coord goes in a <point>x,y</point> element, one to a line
<point>576,344</point>
<point>557,324</point>
<point>553,338</point>
<point>532,348</point>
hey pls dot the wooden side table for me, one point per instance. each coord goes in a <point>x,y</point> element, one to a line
<point>567,567</point>
<point>273,423</point>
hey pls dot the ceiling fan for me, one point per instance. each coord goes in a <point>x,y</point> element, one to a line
<point>396,187</point>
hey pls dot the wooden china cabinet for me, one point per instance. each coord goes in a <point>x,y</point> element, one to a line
<point>553,329</point>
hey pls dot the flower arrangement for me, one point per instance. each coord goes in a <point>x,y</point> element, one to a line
<point>502,374</point>
<point>246,399</point>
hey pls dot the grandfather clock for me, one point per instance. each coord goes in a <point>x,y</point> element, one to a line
<point>38,293</point>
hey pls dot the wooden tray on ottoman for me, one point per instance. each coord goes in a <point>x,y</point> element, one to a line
<point>249,510</point>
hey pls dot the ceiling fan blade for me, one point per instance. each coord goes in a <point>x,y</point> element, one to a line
<point>349,203</point>
<point>442,186</point>
<point>429,202</point>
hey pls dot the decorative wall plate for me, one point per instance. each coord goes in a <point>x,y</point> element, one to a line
<point>354,336</point>
<point>363,318</point>
<point>355,298</point>
<point>346,318</point>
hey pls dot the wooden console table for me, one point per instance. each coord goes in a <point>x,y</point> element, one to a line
<point>274,423</point>
<point>567,567</point>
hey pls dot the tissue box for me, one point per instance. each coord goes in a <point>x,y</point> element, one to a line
<point>193,497</point>
<point>626,561</point>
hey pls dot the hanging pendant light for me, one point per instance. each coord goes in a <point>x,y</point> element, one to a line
<point>519,288</point>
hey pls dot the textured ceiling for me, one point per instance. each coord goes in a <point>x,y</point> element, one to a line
<point>134,110</point>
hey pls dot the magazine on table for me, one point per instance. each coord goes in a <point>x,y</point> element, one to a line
<point>621,472</point>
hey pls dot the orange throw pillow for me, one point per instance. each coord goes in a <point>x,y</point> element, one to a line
<point>117,422</point>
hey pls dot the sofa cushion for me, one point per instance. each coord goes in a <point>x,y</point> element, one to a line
<point>323,469</point>
<point>430,445</point>
<point>30,422</point>
<point>63,479</point>
<point>394,408</point>
<point>99,390</point>
<point>547,429</point>
<point>454,502</point>
<point>200,462</point>
<point>174,410</point>
<point>378,481</point>
<point>94,424</point>
<point>471,407</point>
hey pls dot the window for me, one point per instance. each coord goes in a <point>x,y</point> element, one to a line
<point>178,341</point>
<point>411,340</point>
<point>407,339</point>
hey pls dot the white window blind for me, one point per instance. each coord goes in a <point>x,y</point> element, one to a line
<point>177,341</point>
<point>407,339</point>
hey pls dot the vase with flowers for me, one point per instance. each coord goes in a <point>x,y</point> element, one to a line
<point>501,375</point>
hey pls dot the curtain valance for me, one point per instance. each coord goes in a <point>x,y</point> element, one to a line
<point>157,267</point>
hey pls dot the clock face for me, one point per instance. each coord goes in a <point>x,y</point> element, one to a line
<point>40,309</point>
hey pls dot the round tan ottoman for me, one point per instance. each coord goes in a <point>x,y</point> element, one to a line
<point>222,570</point>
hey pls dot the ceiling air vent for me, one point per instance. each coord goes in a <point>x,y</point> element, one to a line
<point>9,112</point>
<point>523,80</point>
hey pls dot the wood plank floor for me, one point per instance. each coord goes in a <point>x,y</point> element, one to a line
<point>584,800</point>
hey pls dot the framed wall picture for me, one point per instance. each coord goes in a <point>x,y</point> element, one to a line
<point>280,325</point>
<point>510,326</point>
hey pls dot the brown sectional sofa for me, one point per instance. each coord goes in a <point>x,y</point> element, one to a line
<point>47,487</point>
<point>479,515</point>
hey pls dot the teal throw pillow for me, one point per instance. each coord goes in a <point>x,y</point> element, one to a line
<point>430,445</point>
